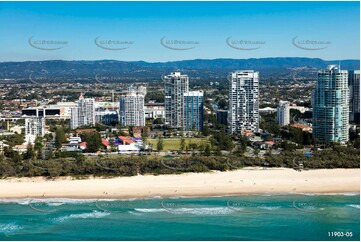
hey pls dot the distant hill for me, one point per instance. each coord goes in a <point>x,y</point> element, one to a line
<point>198,69</point>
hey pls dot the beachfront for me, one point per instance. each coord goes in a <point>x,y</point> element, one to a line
<point>244,181</point>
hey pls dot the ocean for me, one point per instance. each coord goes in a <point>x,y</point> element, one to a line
<point>250,217</point>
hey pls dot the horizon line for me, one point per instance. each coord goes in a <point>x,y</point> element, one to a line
<point>220,58</point>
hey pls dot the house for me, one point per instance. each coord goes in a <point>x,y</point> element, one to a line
<point>139,130</point>
<point>303,127</point>
<point>21,148</point>
<point>106,144</point>
<point>269,144</point>
<point>74,139</point>
<point>125,140</point>
<point>129,149</point>
<point>248,133</point>
<point>82,145</point>
<point>71,147</point>
<point>128,146</point>
<point>79,131</point>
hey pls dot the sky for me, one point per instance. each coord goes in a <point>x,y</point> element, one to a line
<point>169,31</point>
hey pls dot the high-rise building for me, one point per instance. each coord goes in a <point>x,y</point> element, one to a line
<point>35,126</point>
<point>193,110</point>
<point>131,109</point>
<point>283,113</point>
<point>107,117</point>
<point>175,85</point>
<point>354,87</point>
<point>243,101</point>
<point>222,117</point>
<point>330,118</point>
<point>83,113</point>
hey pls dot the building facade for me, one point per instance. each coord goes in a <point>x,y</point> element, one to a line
<point>83,113</point>
<point>175,85</point>
<point>131,109</point>
<point>193,110</point>
<point>222,117</point>
<point>154,111</point>
<point>107,117</point>
<point>354,87</point>
<point>330,118</point>
<point>243,113</point>
<point>283,113</point>
<point>35,126</point>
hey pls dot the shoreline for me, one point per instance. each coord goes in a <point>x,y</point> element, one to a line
<point>255,181</point>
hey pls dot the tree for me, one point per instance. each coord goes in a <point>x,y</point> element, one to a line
<point>222,103</point>
<point>193,146</point>
<point>145,136</point>
<point>207,150</point>
<point>59,137</point>
<point>16,139</point>
<point>38,144</point>
<point>160,144</point>
<point>206,131</point>
<point>15,157</point>
<point>182,144</point>
<point>93,140</point>
<point>30,154</point>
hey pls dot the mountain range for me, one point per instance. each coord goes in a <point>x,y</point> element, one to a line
<point>197,69</point>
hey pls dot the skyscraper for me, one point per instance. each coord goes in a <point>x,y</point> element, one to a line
<point>35,126</point>
<point>83,113</point>
<point>243,101</point>
<point>222,117</point>
<point>331,106</point>
<point>175,85</point>
<point>354,87</point>
<point>193,114</point>
<point>132,109</point>
<point>283,113</point>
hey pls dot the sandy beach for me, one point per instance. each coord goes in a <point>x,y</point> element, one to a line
<point>245,181</point>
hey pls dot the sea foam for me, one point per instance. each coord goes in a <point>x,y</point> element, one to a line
<point>94,214</point>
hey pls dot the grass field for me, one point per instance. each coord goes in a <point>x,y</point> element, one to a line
<point>174,143</point>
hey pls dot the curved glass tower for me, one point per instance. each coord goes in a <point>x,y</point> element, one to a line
<point>331,106</point>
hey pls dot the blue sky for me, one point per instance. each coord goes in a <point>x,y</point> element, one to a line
<point>271,26</point>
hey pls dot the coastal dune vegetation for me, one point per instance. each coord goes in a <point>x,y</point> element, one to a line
<point>78,165</point>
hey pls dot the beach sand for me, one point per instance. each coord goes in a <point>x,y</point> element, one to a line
<point>216,183</point>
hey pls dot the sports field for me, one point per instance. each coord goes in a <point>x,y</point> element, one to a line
<point>174,143</point>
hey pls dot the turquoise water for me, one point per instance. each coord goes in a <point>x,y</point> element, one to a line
<point>261,217</point>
